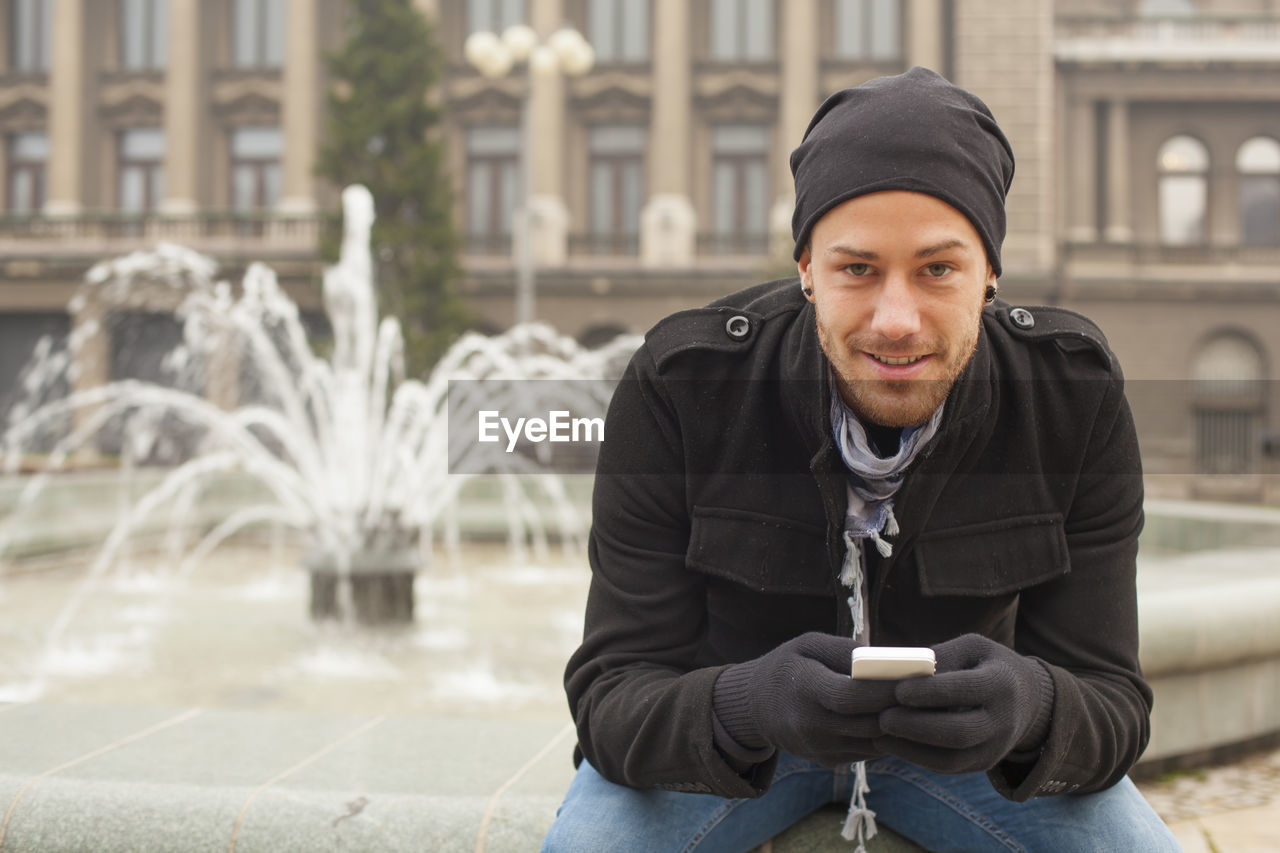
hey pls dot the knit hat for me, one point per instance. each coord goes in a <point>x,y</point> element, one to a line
<point>914,131</point>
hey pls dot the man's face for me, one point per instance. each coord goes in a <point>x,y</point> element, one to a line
<point>898,281</point>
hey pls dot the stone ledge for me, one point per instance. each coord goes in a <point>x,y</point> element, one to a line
<point>1210,648</point>
<point>136,779</point>
<point>116,779</point>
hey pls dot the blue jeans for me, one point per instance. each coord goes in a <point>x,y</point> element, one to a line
<point>940,813</point>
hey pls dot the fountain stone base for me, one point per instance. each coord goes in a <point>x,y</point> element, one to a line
<point>378,586</point>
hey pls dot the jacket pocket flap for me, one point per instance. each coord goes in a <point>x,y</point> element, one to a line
<point>766,553</point>
<point>993,558</point>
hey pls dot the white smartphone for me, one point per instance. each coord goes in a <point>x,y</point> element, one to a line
<point>892,662</point>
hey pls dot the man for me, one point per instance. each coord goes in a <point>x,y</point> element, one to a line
<point>880,453</point>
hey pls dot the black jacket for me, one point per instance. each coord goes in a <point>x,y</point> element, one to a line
<point>719,503</point>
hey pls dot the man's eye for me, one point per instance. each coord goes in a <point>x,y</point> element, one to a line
<point>858,269</point>
<point>937,270</point>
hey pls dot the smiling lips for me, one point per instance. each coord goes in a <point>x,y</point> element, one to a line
<point>896,362</point>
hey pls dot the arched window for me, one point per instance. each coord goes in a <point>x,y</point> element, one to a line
<point>1229,398</point>
<point>1183,162</point>
<point>1258,165</point>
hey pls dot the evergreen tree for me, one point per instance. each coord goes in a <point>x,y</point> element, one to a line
<point>383,132</point>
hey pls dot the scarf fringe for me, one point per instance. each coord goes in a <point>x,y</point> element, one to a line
<point>851,569</point>
<point>860,825</point>
<point>851,578</point>
<point>885,549</point>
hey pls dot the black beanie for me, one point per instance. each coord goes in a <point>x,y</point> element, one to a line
<point>915,131</point>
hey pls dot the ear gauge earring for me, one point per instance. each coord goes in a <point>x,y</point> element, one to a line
<point>805,288</point>
<point>990,295</point>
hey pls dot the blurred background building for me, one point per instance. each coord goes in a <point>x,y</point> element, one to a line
<point>1147,193</point>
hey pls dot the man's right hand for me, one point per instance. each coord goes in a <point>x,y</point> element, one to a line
<point>799,698</point>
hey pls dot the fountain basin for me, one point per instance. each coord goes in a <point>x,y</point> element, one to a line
<point>378,584</point>
<point>1208,599</point>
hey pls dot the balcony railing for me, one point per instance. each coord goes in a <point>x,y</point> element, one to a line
<point>1192,37</point>
<point>488,245</point>
<point>734,244</point>
<point>610,243</point>
<point>294,231</point>
<point>1159,253</point>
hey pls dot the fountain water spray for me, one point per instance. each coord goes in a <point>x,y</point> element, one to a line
<point>345,449</point>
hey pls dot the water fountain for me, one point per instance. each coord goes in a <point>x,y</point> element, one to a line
<point>344,448</point>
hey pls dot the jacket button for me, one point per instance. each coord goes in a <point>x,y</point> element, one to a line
<point>738,327</point>
<point>1022,318</point>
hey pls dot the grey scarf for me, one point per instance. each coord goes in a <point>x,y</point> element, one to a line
<point>872,482</point>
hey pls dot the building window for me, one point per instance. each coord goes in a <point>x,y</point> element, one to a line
<point>740,188</point>
<point>255,168</point>
<point>868,29</point>
<point>616,185</point>
<point>30,34</point>
<point>1258,164</point>
<point>493,187</point>
<point>1167,8</point>
<point>1184,191</point>
<point>141,185</point>
<point>619,30</point>
<point>144,34</point>
<point>495,15</point>
<point>258,28</point>
<point>1229,404</point>
<point>741,30</point>
<point>28,154</point>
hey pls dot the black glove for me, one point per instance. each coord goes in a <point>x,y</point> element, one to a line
<point>985,702</point>
<point>800,698</point>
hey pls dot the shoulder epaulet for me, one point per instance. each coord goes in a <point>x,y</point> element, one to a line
<point>1058,325</point>
<point>718,329</point>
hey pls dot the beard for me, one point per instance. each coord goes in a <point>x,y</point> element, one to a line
<point>894,403</point>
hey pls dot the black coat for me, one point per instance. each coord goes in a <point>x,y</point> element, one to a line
<point>718,510</point>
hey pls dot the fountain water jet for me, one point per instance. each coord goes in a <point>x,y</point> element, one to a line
<point>345,449</point>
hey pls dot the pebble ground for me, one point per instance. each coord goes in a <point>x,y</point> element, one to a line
<point>1250,782</point>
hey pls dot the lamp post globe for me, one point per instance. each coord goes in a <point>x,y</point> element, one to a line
<point>520,39</point>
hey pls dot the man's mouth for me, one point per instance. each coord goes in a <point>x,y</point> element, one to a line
<point>896,362</point>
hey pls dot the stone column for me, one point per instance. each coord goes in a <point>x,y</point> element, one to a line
<point>68,114</point>
<point>183,104</point>
<point>1082,172</point>
<point>668,235</point>
<point>545,140</point>
<point>300,112</point>
<point>1223,225</point>
<point>1003,52</point>
<point>796,105</point>
<point>923,34</point>
<point>1119,216</point>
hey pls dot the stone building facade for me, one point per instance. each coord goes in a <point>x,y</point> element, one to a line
<point>1147,192</point>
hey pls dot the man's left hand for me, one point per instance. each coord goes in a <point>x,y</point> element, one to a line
<point>985,702</point>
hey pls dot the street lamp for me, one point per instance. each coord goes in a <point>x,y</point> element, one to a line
<point>564,51</point>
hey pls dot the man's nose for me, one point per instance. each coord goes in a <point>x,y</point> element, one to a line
<point>897,311</point>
